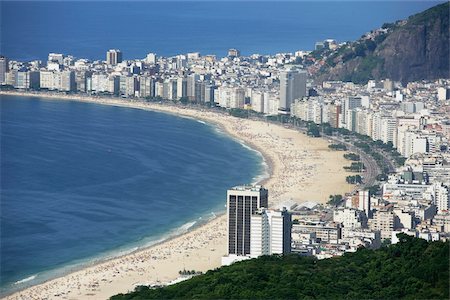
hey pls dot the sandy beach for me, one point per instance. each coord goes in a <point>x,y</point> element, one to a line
<point>301,169</point>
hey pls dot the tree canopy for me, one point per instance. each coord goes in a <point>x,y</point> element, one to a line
<point>412,268</point>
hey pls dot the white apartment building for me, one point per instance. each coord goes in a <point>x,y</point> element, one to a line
<point>403,219</point>
<point>384,128</point>
<point>181,87</point>
<point>384,222</point>
<point>67,81</point>
<point>151,58</point>
<point>271,102</point>
<point>442,197</point>
<point>292,86</point>
<point>100,83</point>
<point>50,80</point>
<point>349,103</point>
<point>231,97</point>
<point>257,101</point>
<point>308,109</point>
<point>270,232</point>
<point>146,86</point>
<point>349,217</point>
<point>159,89</point>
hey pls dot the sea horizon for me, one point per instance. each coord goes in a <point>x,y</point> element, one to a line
<point>178,27</point>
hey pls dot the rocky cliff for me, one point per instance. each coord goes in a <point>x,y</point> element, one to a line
<point>410,50</point>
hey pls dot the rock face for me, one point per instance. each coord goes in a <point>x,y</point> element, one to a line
<point>417,51</point>
<point>414,50</point>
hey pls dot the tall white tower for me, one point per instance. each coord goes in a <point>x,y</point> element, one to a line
<point>270,232</point>
<point>292,86</point>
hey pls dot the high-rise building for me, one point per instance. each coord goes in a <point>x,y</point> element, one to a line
<point>151,58</point>
<point>257,101</point>
<point>190,88</point>
<point>27,80</point>
<point>364,202</point>
<point>3,69</point>
<point>159,89</point>
<point>146,87</point>
<point>193,55</point>
<point>56,57</point>
<point>181,87</point>
<point>199,91</point>
<point>172,89</point>
<point>270,232</point>
<point>292,86</point>
<point>67,81</point>
<point>231,97</point>
<point>388,85</point>
<point>80,80</point>
<point>242,202</point>
<point>334,115</point>
<point>383,221</point>
<point>349,104</point>
<point>442,197</point>
<point>349,217</point>
<point>114,84</point>
<point>123,84</point>
<point>100,82</point>
<point>209,93</point>
<point>232,53</point>
<point>113,57</point>
<point>319,45</point>
<point>50,80</point>
<point>443,93</point>
<point>131,86</point>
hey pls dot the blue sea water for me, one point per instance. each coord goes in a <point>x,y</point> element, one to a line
<point>80,181</point>
<point>87,29</point>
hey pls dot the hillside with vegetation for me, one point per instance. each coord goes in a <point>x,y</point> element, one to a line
<point>407,50</point>
<point>413,268</point>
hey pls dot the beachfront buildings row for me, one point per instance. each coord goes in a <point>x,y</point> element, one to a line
<point>270,84</point>
<point>262,83</point>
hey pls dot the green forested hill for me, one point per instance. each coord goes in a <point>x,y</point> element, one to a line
<point>411,269</point>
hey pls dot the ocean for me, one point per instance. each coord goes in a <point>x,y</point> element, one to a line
<point>87,29</point>
<point>84,181</point>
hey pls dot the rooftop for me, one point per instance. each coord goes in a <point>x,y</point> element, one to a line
<point>253,188</point>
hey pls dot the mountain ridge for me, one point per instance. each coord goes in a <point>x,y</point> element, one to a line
<point>408,50</point>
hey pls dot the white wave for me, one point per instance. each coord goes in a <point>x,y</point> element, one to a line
<point>219,130</point>
<point>212,217</point>
<point>185,227</point>
<point>200,121</point>
<point>25,279</point>
<point>247,147</point>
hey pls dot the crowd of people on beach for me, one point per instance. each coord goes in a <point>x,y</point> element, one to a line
<point>292,168</point>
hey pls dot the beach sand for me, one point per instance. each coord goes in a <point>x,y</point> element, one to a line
<point>301,169</point>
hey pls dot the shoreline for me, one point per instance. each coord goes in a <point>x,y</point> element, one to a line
<point>108,256</point>
<point>276,144</point>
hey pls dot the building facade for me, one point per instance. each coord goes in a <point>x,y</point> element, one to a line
<point>242,202</point>
<point>292,86</point>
